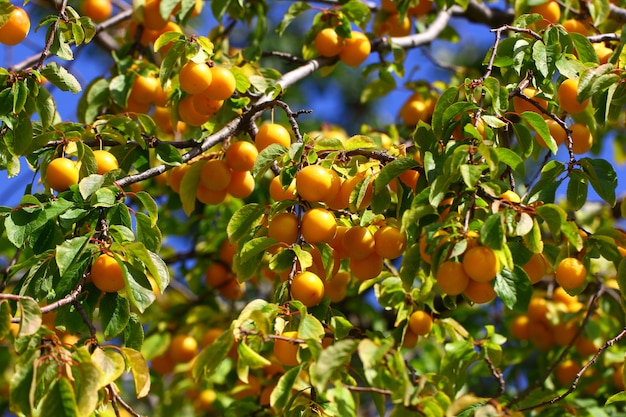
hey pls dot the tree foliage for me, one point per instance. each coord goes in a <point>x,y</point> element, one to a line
<point>229,253</point>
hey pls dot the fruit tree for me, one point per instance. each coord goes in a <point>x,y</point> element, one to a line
<point>218,216</point>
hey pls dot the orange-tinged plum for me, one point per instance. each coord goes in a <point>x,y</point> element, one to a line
<point>105,161</point>
<point>452,278</point>
<point>314,183</point>
<point>240,156</point>
<point>195,78</point>
<point>284,228</point>
<point>97,10</point>
<point>318,225</point>
<point>183,348</point>
<point>222,85</point>
<point>15,28</point>
<point>307,288</point>
<point>566,96</point>
<point>366,268</point>
<point>358,242</point>
<point>286,348</point>
<point>328,43</point>
<point>241,184</point>
<point>356,49</point>
<point>420,322</point>
<point>481,264</point>
<point>570,273</point>
<point>270,134</point>
<point>479,292</point>
<point>215,175</point>
<point>106,274</point>
<point>278,193</point>
<point>61,173</point>
<point>389,242</point>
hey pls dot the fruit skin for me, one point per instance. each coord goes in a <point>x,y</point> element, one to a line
<point>278,193</point>
<point>152,18</point>
<point>420,323</point>
<point>222,85</point>
<point>520,105</point>
<point>97,10</point>
<point>479,292</point>
<point>175,176</point>
<point>570,273</point>
<point>241,184</point>
<point>367,268</point>
<point>61,173</point>
<point>188,113</point>
<point>318,225</point>
<point>195,78</point>
<point>328,43</point>
<point>356,49</point>
<point>284,228</point>
<point>183,348</point>
<point>566,96</point>
<point>389,242</point>
<point>556,131</point>
<point>240,156</point>
<point>481,264</point>
<point>314,183</point>
<point>536,267</point>
<point>286,351</point>
<point>452,278</point>
<point>308,288</point>
<point>550,10</point>
<point>106,161</point>
<point>216,275</point>
<point>107,274</point>
<point>272,133</point>
<point>16,28</point>
<point>215,175</point>
<point>582,140</point>
<point>358,242</point>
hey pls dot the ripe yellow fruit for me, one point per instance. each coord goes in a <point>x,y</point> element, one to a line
<point>566,372</point>
<point>97,10</point>
<point>15,28</point>
<point>541,336</point>
<point>566,96</point>
<point>556,131</point>
<point>318,225</point>
<point>389,242</point>
<point>106,274</point>
<point>241,184</point>
<point>278,193</point>
<point>152,18</point>
<point>575,26</point>
<point>314,183</point>
<point>205,105</point>
<point>223,84</point>
<point>286,350</point>
<point>336,288</point>
<point>183,348</point>
<point>570,273</point>
<point>328,43</point>
<point>307,288</point>
<point>216,275</point>
<point>211,197</point>
<point>356,49</point>
<point>423,7</point>
<point>358,242</point>
<point>479,292</point>
<point>520,105</point>
<point>144,89</point>
<point>452,278</point>
<point>106,161</point>
<point>603,52</point>
<point>511,196</point>
<point>272,133</point>
<point>195,78</point>
<point>215,175</point>
<point>550,10</point>
<point>536,267</point>
<point>232,290</point>
<point>564,332</point>
<point>284,228</point>
<point>520,327</point>
<point>420,323</point>
<point>61,173</point>
<point>175,176</point>
<point>187,112</point>
<point>162,364</point>
<point>347,187</point>
<point>416,109</point>
<point>366,268</point>
<point>538,309</point>
<point>481,264</point>
<point>582,140</point>
<point>240,156</point>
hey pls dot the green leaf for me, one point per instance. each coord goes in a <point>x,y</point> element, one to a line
<point>189,187</point>
<point>139,295</point>
<point>392,170</point>
<point>333,358</point>
<point>310,328</point>
<point>68,251</point>
<point>86,377</point>
<point>61,78</point>
<point>249,357</point>
<point>133,334</point>
<point>356,12</point>
<point>444,102</point>
<point>513,288</point>
<point>110,363</point>
<point>266,158</point>
<point>279,399</point>
<point>212,356</point>
<point>577,189</point>
<point>539,125</point>
<point>5,319</point>
<point>584,48</point>
<point>165,39</point>
<point>616,398</point>
<point>294,10</point>
<point>602,177</point>
<point>114,313</point>
<point>492,231</point>
<point>59,401</point>
<point>554,216</point>
<point>549,174</point>
<point>30,317</point>
<point>46,107</point>
<point>150,205</point>
<point>147,234</point>
<point>138,366</point>
<point>244,220</point>
<point>512,159</point>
